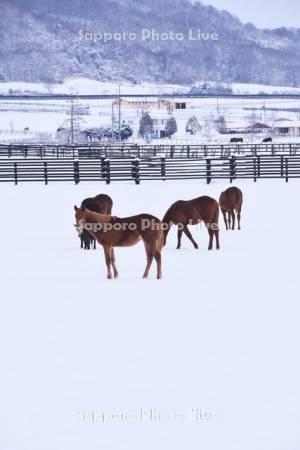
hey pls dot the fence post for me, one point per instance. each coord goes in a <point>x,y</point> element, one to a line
<point>281,166</point>
<point>258,166</point>
<point>286,170</point>
<point>188,151</point>
<point>9,151</point>
<point>254,169</point>
<point>46,173</point>
<point>76,172</point>
<point>103,167</point>
<point>135,170</point>
<point>232,168</point>
<point>273,150</point>
<point>16,173</point>
<point>107,171</point>
<point>208,171</point>
<point>163,167</point>
<point>222,151</point>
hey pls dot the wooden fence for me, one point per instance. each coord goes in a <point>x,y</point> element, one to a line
<point>145,151</point>
<point>108,170</point>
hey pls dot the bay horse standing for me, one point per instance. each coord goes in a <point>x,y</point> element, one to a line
<point>111,231</point>
<point>230,202</point>
<point>101,203</point>
<point>191,212</point>
<point>104,203</point>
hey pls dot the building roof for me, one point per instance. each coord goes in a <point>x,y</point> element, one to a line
<point>286,123</point>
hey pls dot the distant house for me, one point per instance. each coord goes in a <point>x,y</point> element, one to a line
<point>259,127</point>
<point>286,127</point>
<point>243,128</point>
<point>159,125</point>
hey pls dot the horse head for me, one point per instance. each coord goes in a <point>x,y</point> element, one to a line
<point>80,219</point>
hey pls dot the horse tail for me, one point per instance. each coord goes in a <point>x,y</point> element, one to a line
<point>160,240</point>
<point>216,214</point>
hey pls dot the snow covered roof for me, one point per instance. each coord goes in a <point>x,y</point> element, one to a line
<point>287,123</point>
<point>259,125</point>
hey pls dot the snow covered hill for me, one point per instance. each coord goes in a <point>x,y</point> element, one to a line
<point>49,41</point>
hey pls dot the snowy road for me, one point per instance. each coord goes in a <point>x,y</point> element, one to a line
<point>219,335</point>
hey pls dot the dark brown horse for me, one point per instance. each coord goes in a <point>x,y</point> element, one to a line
<point>191,212</point>
<point>230,202</point>
<point>112,232</point>
<point>101,203</point>
<point>236,140</point>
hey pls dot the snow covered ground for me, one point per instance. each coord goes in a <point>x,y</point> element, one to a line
<point>216,342</point>
<point>87,86</point>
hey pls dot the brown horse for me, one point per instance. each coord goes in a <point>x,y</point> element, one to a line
<point>230,201</point>
<point>112,232</point>
<point>183,213</point>
<point>236,140</point>
<point>101,203</point>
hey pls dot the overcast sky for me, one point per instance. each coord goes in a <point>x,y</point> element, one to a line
<point>262,13</point>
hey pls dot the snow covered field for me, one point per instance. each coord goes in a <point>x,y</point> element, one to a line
<point>216,342</point>
<point>88,86</point>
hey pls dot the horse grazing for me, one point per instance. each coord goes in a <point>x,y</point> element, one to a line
<point>101,203</point>
<point>111,231</point>
<point>230,201</point>
<point>191,212</point>
<point>268,139</point>
<point>236,140</point>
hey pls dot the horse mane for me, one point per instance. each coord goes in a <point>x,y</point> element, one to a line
<point>92,216</point>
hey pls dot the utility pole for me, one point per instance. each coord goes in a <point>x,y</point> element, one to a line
<point>119,134</point>
<point>72,121</point>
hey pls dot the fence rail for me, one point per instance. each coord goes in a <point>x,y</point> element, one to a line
<point>137,170</point>
<point>26,151</point>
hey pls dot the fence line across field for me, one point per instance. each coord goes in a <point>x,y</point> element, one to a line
<point>27,151</point>
<point>137,170</point>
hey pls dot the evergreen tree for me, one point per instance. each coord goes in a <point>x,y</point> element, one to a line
<point>146,125</point>
<point>171,127</point>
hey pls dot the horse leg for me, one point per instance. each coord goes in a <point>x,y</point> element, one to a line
<point>189,235</point>
<point>94,244</point>
<point>225,218</point>
<point>113,262</point>
<point>149,261</point>
<point>229,220</point>
<point>233,219</point>
<point>211,235</point>
<point>107,254</point>
<point>81,242</point>
<point>216,233</point>
<point>179,235</point>
<point>157,257</point>
<point>239,218</point>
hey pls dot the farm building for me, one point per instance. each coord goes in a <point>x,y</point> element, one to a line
<point>287,127</point>
<point>244,128</point>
